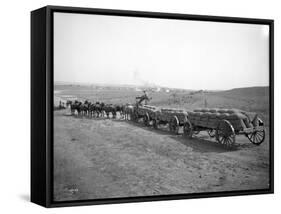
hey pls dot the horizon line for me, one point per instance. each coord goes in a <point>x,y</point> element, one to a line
<point>149,86</point>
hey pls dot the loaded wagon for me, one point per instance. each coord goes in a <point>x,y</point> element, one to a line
<point>144,112</point>
<point>225,124</point>
<point>175,118</point>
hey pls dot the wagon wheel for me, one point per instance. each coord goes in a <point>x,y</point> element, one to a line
<point>188,129</point>
<point>257,136</point>
<point>212,132</point>
<point>155,123</point>
<point>225,133</point>
<point>174,125</point>
<point>146,119</point>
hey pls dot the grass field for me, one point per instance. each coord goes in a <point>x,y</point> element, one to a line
<point>105,158</point>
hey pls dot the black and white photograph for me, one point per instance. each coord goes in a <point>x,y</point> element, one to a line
<point>147,106</point>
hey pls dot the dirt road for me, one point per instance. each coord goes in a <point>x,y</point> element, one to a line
<point>103,158</point>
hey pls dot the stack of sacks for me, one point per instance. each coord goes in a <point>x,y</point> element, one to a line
<point>169,113</point>
<point>198,110</point>
<point>213,120</point>
<point>171,110</point>
<point>210,118</point>
<point>203,120</point>
<point>214,110</point>
<point>143,109</point>
<point>222,110</point>
<point>240,121</point>
<point>194,117</point>
<point>205,110</point>
<point>236,120</point>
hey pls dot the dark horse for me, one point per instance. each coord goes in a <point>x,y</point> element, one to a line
<point>120,109</point>
<point>84,108</point>
<point>128,111</point>
<point>75,106</point>
<point>109,108</point>
<point>92,109</point>
<point>96,109</point>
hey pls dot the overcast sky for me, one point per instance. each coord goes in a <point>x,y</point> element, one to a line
<point>172,53</point>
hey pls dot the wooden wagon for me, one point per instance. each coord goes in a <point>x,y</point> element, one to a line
<point>175,118</point>
<point>225,124</point>
<point>144,112</point>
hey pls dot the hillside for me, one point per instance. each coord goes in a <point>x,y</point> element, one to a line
<point>250,91</point>
<point>254,99</point>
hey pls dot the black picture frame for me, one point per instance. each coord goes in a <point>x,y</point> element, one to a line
<point>42,104</point>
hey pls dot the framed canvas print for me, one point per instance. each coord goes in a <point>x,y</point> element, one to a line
<point>131,106</point>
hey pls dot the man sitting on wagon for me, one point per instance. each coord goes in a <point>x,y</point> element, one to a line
<point>142,98</point>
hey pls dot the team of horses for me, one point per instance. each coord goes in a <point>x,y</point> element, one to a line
<point>99,109</point>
